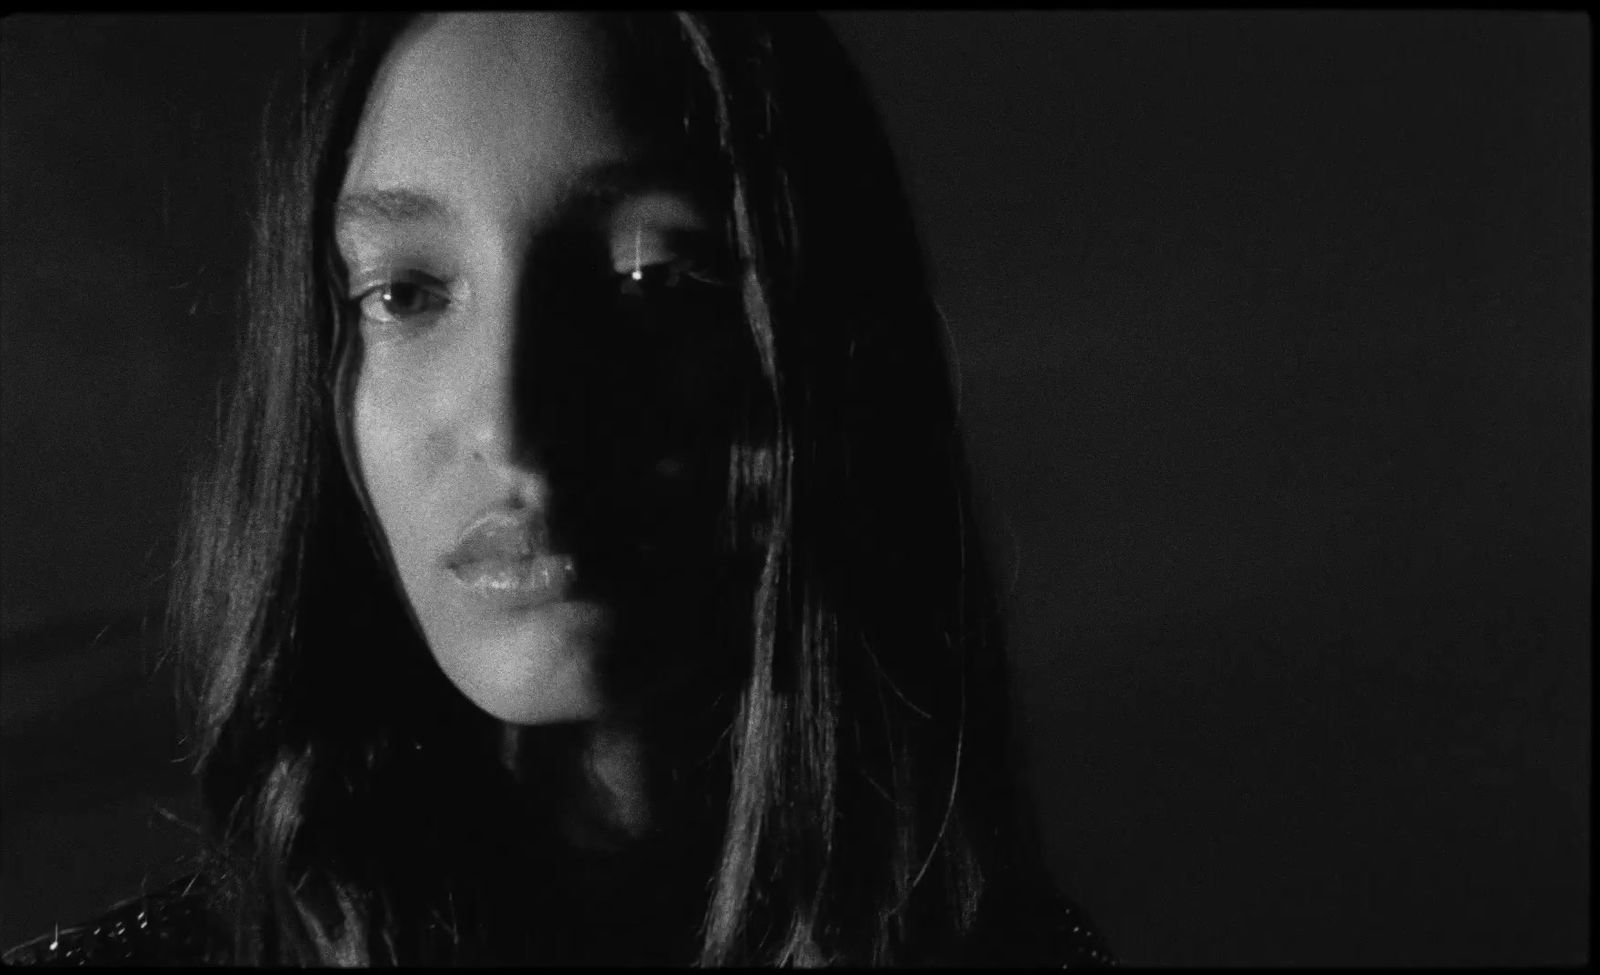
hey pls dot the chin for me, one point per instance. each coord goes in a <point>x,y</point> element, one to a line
<point>540,669</point>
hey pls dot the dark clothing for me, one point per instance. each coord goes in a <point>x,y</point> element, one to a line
<point>167,927</point>
<point>171,927</point>
<point>1033,933</point>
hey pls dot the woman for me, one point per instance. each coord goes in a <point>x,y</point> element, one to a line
<point>589,572</point>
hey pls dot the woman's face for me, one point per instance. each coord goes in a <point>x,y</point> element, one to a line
<point>541,313</point>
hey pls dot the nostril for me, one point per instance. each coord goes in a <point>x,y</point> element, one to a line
<point>530,492</point>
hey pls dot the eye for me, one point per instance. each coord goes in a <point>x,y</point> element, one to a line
<point>670,299</point>
<point>666,269</point>
<point>669,279</point>
<point>393,302</point>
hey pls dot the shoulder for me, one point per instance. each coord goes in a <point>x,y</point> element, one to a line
<point>167,926</point>
<point>1040,928</point>
<point>1080,943</point>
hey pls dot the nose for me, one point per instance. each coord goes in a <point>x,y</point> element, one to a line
<point>569,387</point>
<point>531,378</point>
<point>495,429</point>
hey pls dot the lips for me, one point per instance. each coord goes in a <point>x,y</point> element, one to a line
<point>504,557</point>
<point>504,534</point>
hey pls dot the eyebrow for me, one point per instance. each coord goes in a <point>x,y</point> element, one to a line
<point>394,205</point>
<point>592,188</point>
<point>603,184</point>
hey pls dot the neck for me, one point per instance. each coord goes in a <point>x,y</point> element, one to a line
<point>605,803</point>
<point>613,810</point>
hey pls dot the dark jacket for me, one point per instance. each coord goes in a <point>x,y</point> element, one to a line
<point>166,927</point>
<point>172,927</point>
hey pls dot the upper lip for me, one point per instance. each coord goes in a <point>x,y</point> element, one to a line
<point>501,534</point>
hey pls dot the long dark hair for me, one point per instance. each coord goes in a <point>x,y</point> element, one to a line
<point>865,775</point>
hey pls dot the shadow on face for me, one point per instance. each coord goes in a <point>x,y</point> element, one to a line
<point>627,398</point>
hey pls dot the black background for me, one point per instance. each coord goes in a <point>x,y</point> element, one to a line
<point>1275,338</point>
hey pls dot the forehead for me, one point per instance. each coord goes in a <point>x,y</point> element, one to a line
<point>490,110</point>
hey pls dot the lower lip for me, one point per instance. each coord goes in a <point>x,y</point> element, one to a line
<point>517,583</point>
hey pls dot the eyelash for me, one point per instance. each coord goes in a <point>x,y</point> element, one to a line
<point>429,289</point>
<point>674,275</point>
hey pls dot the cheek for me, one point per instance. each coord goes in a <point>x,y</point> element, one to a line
<point>401,455</point>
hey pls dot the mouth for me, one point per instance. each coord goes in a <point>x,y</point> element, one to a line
<point>504,558</point>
